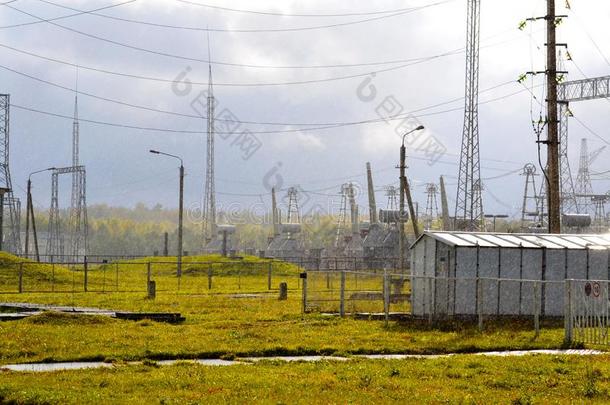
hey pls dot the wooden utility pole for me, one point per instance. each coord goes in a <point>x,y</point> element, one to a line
<point>553,190</point>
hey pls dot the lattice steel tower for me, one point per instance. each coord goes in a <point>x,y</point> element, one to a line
<point>469,206</point>
<point>583,179</point>
<point>293,217</point>
<point>392,193</point>
<point>529,209</point>
<point>77,226</point>
<point>11,205</point>
<point>568,200</point>
<point>342,219</point>
<point>431,204</point>
<point>584,188</point>
<point>209,196</point>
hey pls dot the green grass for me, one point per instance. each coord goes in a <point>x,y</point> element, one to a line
<point>224,326</point>
<point>464,379</point>
<point>219,324</point>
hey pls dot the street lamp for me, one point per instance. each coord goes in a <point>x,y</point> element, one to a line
<point>29,212</point>
<point>494,216</point>
<point>404,189</point>
<point>180,207</point>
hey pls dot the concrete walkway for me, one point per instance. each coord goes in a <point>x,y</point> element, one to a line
<point>48,367</point>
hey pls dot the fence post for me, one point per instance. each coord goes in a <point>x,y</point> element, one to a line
<point>536,308</point>
<point>269,266</point>
<point>386,297</point>
<point>342,295</point>
<point>86,268</point>
<point>209,276</point>
<point>20,277</point>
<point>480,303</point>
<point>567,315</point>
<point>303,276</point>
<point>148,274</point>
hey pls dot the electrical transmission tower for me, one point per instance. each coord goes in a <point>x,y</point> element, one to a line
<point>209,196</point>
<point>541,206</point>
<point>392,193</point>
<point>529,209</point>
<point>342,219</point>
<point>469,205</point>
<point>583,180</point>
<point>569,203</point>
<point>431,204</point>
<point>293,207</point>
<point>77,222</point>
<point>600,221</point>
<point>10,204</point>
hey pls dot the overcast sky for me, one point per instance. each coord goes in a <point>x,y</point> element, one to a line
<point>411,55</point>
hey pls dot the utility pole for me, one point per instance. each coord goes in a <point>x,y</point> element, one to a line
<point>180,208</point>
<point>27,218</point>
<point>401,210</point>
<point>554,204</point>
<point>404,190</point>
<point>29,213</point>
<point>180,215</point>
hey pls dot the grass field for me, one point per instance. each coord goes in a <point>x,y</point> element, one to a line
<point>464,379</point>
<point>222,324</point>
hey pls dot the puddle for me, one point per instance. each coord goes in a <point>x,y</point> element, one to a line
<point>203,362</point>
<point>45,367</point>
<point>297,358</point>
<point>40,367</point>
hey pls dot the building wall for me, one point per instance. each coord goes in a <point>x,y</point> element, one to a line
<point>454,291</point>
<point>509,291</point>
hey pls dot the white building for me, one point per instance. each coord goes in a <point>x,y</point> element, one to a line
<point>518,274</point>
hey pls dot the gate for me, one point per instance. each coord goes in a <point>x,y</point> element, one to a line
<point>586,312</point>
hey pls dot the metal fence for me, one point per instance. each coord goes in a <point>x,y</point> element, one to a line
<point>354,263</point>
<point>135,276</point>
<point>587,311</point>
<point>356,292</point>
<point>432,298</point>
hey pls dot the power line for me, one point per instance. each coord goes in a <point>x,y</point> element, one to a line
<point>170,130</point>
<point>597,47</point>
<point>267,84</point>
<point>411,61</point>
<point>264,30</point>
<point>590,130</point>
<point>64,16</point>
<point>157,110</point>
<point>269,13</point>
<point>241,65</point>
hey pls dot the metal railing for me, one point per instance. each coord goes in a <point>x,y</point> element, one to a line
<point>134,276</point>
<point>587,312</point>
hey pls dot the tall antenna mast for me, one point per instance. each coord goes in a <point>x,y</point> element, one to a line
<point>75,127</point>
<point>469,205</point>
<point>209,198</point>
